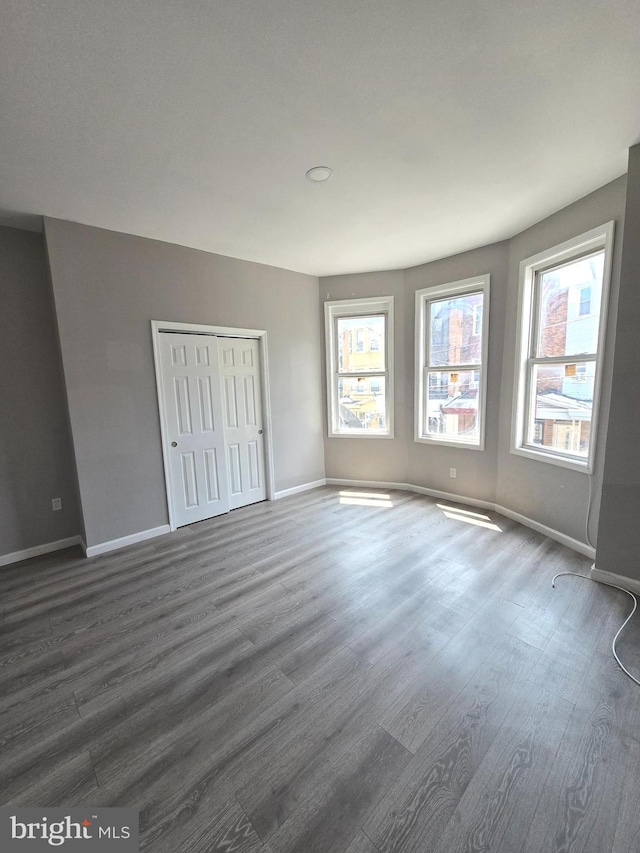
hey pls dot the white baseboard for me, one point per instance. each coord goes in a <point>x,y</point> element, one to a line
<point>367,484</point>
<point>612,579</point>
<point>575,544</point>
<point>134,538</point>
<point>448,496</point>
<point>409,487</point>
<point>562,538</point>
<point>38,550</point>
<point>295,490</point>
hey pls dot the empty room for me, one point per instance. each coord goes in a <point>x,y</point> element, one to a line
<point>319,487</point>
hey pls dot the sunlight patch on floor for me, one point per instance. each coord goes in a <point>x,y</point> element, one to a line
<point>365,499</point>
<point>478,519</point>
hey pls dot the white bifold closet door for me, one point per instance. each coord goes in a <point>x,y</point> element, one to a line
<point>242,407</point>
<point>213,424</point>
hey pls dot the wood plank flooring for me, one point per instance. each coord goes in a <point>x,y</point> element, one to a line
<point>343,671</point>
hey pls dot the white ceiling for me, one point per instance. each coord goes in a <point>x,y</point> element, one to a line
<point>448,124</point>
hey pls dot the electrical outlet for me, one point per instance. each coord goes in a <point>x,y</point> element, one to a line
<point>56,504</point>
<point>453,473</point>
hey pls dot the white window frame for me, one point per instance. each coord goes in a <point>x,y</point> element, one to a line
<point>357,308</point>
<point>423,299</point>
<point>594,240</point>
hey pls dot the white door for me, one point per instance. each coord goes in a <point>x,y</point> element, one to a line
<point>243,432</point>
<point>194,428</point>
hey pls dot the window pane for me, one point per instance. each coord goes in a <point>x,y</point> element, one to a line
<point>455,330</point>
<point>561,417</point>
<point>362,403</point>
<point>452,404</point>
<point>569,307</point>
<point>361,344</point>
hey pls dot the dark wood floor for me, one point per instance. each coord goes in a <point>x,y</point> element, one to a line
<point>337,671</point>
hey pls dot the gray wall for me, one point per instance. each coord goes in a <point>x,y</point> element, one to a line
<point>35,456</point>
<point>619,534</point>
<point>108,287</point>
<point>548,494</point>
<point>554,496</point>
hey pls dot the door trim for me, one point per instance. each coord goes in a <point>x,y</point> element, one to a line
<point>158,326</point>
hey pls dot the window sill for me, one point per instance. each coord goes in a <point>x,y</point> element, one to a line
<point>554,459</point>
<point>443,442</point>
<point>361,434</point>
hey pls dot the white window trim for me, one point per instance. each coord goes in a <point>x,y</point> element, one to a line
<point>428,294</point>
<point>596,239</point>
<point>357,308</point>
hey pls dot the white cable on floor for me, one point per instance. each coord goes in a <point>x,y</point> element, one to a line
<point>621,628</point>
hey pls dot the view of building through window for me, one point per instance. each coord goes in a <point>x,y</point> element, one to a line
<point>563,364</point>
<point>561,314</point>
<point>361,372</point>
<point>455,346</point>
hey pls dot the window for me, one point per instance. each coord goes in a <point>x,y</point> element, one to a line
<point>562,315</point>
<point>585,300</point>
<point>360,377</point>
<point>451,357</point>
